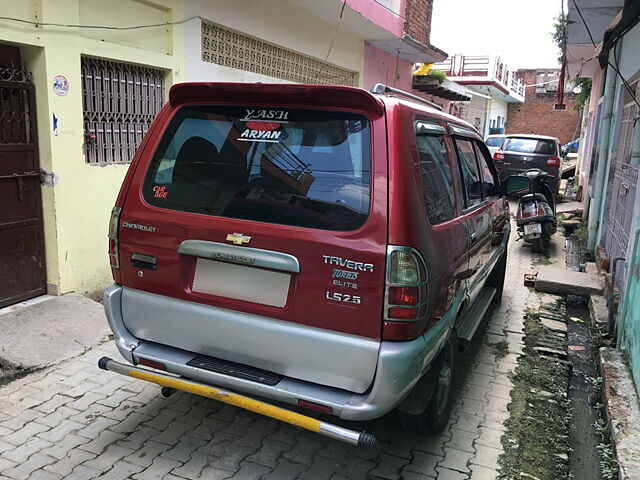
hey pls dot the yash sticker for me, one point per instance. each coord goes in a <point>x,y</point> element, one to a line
<point>262,115</point>
<point>160,191</point>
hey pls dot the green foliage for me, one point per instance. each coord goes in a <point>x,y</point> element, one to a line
<point>559,33</point>
<point>438,75</point>
<point>584,84</point>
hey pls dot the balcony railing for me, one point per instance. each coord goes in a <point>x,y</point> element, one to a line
<point>490,68</point>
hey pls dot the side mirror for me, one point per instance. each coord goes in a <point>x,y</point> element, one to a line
<point>518,185</point>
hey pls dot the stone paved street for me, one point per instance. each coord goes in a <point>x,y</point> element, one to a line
<point>75,421</point>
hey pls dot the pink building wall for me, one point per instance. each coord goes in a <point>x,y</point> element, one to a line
<point>378,14</point>
<point>380,67</point>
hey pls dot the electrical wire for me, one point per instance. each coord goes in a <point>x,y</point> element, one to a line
<point>99,27</point>
<point>344,4</point>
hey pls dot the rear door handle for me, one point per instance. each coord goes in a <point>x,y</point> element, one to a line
<point>142,260</point>
<point>473,237</point>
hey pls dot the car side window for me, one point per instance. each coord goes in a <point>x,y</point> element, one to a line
<point>471,184</point>
<point>488,179</point>
<point>435,173</point>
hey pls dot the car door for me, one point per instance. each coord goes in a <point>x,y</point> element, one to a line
<point>476,213</point>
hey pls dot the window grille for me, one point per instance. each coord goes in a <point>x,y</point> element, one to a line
<point>120,100</point>
<point>232,49</point>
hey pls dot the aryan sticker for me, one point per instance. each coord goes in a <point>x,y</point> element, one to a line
<point>252,135</point>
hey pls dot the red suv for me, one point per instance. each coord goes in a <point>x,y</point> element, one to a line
<point>321,246</point>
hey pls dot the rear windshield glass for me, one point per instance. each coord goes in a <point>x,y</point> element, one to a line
<point>494,141</point>
<point>530,145</point>
<point>305,168</point>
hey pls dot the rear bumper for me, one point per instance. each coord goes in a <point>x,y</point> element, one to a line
<point>399,366</point>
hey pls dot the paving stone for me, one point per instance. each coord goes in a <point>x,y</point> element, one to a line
<point>194,466</point>
<point>122,411</point>
<point>24,469</point>
<point>212,473</point>
<point>65,466</point>
<point>304,451</point>
<point>6,464</point>
<point>44,475</point>
<point>4,446</point>
<point>217,445</point>
<point>53,403</point>
<point>434,443</point>
<point>251,471</point>
<point>482,473</point>
<point>285,471</point>
<point>473,407</point>
<point>476,392</point>
<point>334,450</point>
<point>495,420</point>
<point>286,433</point>
<point>30,430</point>
<point>121,471</point>
<point>115,399</point>
<point>162,421</point>
<point>95,427</point>
<point>415,476</point>
<point>424,463</point>
<point>106,438</point>
<point>171,435</point>
<point>269,453</point>
<point>401,445</point>
<point>83,402</point>
<point>21,453</point>
<point>207,429</point>
<point>389,467</point>
<point>108,458</point>
<point>498,404</point>
<point>58,433</point>
<point>131,423</point>
<point>139,436</point>
<point>232,457</point>
<point>81,472</point>
<point>321,468</point>
<point>254,437</point>
<point>194,416</point>
<point>158,469</point>
<point>461,440</point>
<point>447,474</point>
<point>467,422</point>
<point>183,450</point>
<point>54,419</point>
<point>146,454</point>
<point>480,379</point>
<point>489,437</point>
<point>456,460</point>
<point>500,391</point>
<point>61,448</point>
<point>487,456</point>
<point>239,425</point>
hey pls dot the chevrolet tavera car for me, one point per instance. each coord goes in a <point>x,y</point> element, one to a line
<point>323,247</point>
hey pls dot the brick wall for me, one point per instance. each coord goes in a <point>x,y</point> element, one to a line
<point>474,112</point>
<point>417,19</point>
<point>536,114</point>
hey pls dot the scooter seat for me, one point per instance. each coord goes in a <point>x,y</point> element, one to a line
<point>530,197</point>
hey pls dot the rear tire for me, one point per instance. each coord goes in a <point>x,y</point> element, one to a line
<point>496,279</point>
<point>538,245</point>
<point>434,419</point>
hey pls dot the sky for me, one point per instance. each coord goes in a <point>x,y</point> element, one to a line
<point>518,31</point>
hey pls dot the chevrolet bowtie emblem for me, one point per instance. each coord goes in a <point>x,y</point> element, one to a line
<point>238,238</point>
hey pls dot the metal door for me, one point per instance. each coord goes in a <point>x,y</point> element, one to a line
<point>22,267</point>
<point>622,185</point>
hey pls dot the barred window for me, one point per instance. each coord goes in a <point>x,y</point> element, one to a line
<point>120,100</point>
<point>236,50</point>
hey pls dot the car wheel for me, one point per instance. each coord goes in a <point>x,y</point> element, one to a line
<point>538,245</point>
<point>434,419</point>
<point>496,279</point>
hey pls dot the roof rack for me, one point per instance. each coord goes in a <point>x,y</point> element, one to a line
<point>381,89</point>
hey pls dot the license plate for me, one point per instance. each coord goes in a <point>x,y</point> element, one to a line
<point>241,282</point>
<point>534,228</point>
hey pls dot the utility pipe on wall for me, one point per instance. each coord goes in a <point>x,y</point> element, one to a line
<point>597,201</point>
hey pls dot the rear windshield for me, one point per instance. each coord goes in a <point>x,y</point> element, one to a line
<point>530,145</point>
<point>306,168</point>
<point>494,141</point>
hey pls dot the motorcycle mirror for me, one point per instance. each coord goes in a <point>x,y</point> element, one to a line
<point>518,185</point>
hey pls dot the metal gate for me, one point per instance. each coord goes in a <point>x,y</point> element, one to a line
<point>622,183</point>
<point>22,267</point>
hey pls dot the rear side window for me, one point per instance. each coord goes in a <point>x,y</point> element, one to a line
<point>494,141</point>
<point>304,168</point>
<point>488,180</point>
<point>530,145</point>
<point>435,172</point>
<point>471,184</point>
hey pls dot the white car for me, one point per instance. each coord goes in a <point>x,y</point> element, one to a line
<point>494,142</point>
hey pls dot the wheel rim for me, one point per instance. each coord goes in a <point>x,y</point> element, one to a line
<point>444,385</point>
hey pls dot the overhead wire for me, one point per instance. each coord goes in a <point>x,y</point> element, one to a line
<point>99,27</point>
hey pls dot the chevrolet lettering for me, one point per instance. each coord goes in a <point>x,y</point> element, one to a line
<point>313,249</point>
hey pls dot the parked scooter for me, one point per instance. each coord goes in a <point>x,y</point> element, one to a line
<point>536,215</point>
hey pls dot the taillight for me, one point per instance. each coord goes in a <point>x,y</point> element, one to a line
<point>114,252</point>
<point>553,161</point>
<point>406,288</point>
<point>498,157</point>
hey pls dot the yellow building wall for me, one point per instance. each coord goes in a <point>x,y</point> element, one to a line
<point>76,209</point>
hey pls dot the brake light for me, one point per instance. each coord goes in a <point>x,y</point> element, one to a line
<point>541,211</point>
<point>152,364</point>
<point>553,161</point>
<point>114,251</point>
<point>406,284</point>
<point>498,157</point>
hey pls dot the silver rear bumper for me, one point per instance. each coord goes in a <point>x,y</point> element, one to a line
<point>399,366</point>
